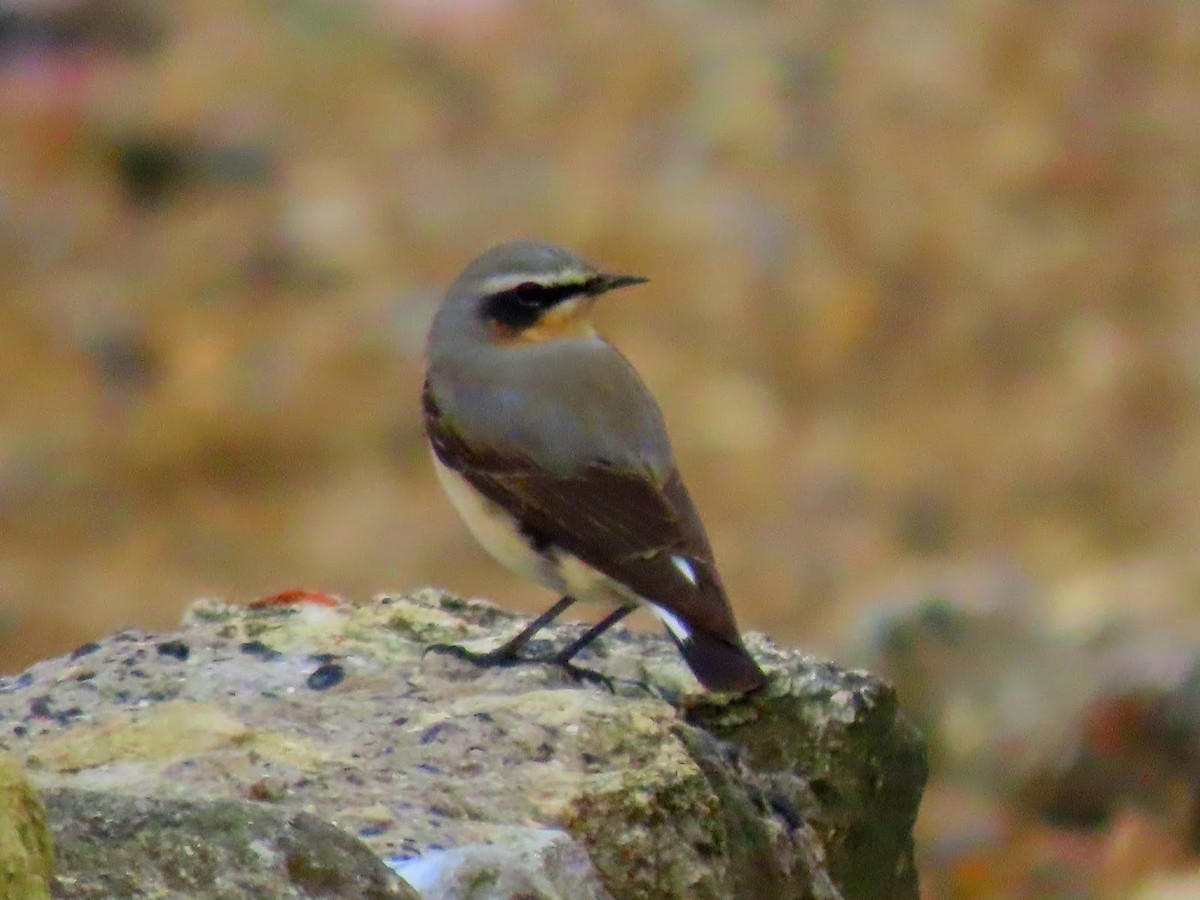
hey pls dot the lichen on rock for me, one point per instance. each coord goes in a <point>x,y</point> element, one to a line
<point>807,790</point>
<point>26,855</point>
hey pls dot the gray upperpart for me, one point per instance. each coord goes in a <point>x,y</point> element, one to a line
<point>532,259</point>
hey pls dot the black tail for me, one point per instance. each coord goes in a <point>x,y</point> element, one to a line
<point>720,665</point>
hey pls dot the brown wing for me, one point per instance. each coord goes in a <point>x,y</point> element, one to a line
<point>622,523</point>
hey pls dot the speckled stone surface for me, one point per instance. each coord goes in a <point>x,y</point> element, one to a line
<point>807,790</point>
<point>118,845</point>
<point>540,863</point>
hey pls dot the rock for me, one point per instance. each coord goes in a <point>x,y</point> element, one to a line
<point>1045,740</point>
<point>1007,703</point>
<point>834,745</point>
<point>26,856</point>
<point>113,845</point>
<point>543,863</point>
<point>808,790</point>
<point>1174,886</point>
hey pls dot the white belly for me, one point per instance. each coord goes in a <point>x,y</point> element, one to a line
<point>498,534</point>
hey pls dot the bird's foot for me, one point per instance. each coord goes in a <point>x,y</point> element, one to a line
<point>578,673</point>
<point>503,656</point>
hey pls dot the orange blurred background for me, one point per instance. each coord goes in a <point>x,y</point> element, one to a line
<point>923,310</point>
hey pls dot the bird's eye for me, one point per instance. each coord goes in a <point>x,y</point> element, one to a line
<point>528,293</point>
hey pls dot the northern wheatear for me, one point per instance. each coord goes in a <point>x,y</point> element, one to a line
<point>556,456</point>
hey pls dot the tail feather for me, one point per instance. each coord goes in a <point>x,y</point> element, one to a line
<point>720,665</point>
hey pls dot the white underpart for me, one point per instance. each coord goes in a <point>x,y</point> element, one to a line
<point>673,622</point>
<point>491,526</point>
<point>499,535</point>
<point>685,568</point>
<point>497,532</point>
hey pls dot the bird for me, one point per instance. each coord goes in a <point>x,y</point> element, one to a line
<point>556,456</point>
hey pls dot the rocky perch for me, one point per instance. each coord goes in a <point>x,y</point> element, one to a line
<point>309,750</point>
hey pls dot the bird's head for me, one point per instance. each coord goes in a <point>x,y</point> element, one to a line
<point>524,292</point>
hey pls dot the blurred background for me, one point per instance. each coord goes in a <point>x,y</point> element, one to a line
<point>924,320</point>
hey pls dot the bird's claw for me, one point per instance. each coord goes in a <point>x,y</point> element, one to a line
<point>578,673</point>
<point>502,656</point>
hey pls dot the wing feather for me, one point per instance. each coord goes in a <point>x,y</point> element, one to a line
<point>626,523</point>
<point>621,522</point>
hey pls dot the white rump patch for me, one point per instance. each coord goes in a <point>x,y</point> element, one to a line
<point>673,622</point>
<point>685,568</point>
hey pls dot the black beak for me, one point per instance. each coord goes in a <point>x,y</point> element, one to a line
<point>602,284</point>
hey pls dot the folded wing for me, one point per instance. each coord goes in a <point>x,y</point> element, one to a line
<point>638,529</point>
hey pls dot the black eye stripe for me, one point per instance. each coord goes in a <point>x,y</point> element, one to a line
<point>529,293</point>
<point>520,306</point>
<point>542,295</point>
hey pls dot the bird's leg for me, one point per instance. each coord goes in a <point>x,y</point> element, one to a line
<point>507,653</point>
<point>567,653</point>
<point>562,658</point>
